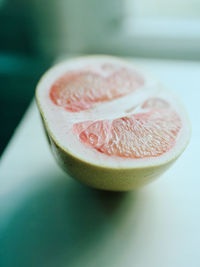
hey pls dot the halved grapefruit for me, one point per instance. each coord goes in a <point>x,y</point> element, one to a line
<point>109,123</point>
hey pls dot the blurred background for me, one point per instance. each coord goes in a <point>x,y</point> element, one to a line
<point>35,33</point>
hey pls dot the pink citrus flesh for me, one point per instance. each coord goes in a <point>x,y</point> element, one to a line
<point>140,135</point>
<point>76,91</point>
<point>147,134</point>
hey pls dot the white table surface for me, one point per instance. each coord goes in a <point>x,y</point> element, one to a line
<point>48,219</point>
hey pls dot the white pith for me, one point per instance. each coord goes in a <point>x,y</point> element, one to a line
<point>60,122</point>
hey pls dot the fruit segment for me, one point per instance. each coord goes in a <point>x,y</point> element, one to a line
<point>80,90</point>
<point>149,133</point>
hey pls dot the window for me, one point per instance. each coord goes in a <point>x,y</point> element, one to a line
<point>162,28</point>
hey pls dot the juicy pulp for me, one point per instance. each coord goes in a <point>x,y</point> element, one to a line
<point>76,91</point>
<point>139,135</point>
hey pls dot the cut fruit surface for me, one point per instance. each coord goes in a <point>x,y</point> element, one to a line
<point>108,115</point>
<point>147,134</point>
<point>78,91</point>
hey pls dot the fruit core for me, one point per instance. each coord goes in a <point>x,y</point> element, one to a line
<point>150,132</point>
